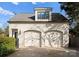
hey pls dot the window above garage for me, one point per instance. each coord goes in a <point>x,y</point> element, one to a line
<point>42,14</point>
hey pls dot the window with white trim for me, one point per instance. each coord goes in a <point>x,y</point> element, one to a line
<point>43,15</point>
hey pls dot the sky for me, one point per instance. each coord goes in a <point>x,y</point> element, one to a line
<point>9,9</point>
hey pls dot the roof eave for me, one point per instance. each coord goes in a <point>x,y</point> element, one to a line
<point>36,22</point>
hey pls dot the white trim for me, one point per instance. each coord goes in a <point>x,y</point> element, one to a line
<point>36,17</point>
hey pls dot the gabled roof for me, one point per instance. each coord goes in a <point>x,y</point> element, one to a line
<point>56,17</point>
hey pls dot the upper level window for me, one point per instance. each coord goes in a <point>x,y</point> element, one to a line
<point>43,15</point>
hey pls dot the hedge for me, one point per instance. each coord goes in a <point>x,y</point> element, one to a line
<point>7,45</point>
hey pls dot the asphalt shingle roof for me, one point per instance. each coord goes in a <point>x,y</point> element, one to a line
<point>56,17</point>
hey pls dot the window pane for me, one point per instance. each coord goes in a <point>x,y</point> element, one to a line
<point>43,15</point>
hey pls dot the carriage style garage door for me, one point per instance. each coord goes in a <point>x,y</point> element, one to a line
<point>32,38</point>
<point>54,38</point>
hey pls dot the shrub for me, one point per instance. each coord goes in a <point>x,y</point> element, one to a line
<point>7,45</point>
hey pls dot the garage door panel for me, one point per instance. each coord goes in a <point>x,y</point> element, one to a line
<point>54,38</point>
<point>28,42</point>
<point>32,38</point>
<point>32,35</point>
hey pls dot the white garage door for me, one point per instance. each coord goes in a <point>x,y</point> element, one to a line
<point>54,38</point>
<point>32,38</point>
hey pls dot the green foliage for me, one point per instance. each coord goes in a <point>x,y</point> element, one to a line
<point>75,31</point>
<point>1,30</point>
<point>6,31</point>
<point>71,8</point>
<point>76,28</point>
<point>7,45</point>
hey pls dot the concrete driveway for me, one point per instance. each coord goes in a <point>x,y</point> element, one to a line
<point>45,52</point>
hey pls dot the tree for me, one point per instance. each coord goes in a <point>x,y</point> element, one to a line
<point>1,30</point>
<point>71,9</point>
<point>6,31</point>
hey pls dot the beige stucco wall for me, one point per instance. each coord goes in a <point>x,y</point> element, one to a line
<point>42,27</point>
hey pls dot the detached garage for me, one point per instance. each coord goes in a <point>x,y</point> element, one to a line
<point>42,29</point>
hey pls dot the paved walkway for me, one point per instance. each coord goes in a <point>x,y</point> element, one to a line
<point>45,52</point>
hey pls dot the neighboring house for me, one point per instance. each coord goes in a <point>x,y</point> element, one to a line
<point>42,29</point>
